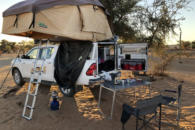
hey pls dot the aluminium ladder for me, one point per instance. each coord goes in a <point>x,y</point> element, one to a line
<point>34,79</point>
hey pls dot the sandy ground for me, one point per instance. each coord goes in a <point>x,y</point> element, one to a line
<point>5,59</point>
<point>81,111</point>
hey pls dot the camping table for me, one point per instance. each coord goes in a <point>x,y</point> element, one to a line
<point>117,87</point>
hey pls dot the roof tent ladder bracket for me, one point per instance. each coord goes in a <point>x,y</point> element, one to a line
<point>94,37</point>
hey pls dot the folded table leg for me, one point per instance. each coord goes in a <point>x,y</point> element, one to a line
<point>160,111</point>
<point>100,94</point>
<point>113,99</point>
<point>113,102</point>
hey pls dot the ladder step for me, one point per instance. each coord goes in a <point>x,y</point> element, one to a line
<point>32,94</point>
<point>28,118</point>
<point>39,72</point>
<point>34,79</point>
<point>35,82</point>
<point>30,107</point>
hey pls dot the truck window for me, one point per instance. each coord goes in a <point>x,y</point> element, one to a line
<point>33,53</point>
<point>46,52</point>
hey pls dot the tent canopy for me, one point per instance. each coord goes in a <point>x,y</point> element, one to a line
<point>83,20</point>
<point>38,5</point>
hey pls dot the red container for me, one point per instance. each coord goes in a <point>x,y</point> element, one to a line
<point>139,67</point>
<point>132,67</point>
<point>126,66</point>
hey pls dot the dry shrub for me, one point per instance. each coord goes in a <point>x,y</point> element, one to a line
<point>161,58</point>
<point>159,69</point>
<point>186,54</point>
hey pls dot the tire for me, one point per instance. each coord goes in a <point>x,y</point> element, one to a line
<point>18,79</point>
<point>68,92</point>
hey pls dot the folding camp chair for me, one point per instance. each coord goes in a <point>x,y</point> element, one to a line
<point>178,96</point>
<point>128,111</point>
<point>144,108</point>
<point>149,106</point>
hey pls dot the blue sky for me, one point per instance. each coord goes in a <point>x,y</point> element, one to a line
<point>187,26</point>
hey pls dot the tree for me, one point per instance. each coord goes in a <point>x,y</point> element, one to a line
<point>13,47</point>
<point>186,44</point>
<point>193,44</point>
<point>25,46</point>
<point>139,20</point>
<point>160,18</point>
<point>4,43</point>
<point>119,11</point>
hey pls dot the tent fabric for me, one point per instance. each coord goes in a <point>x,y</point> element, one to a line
<point>84,22</point>
<point>69,62</point>
<point>38,5</point>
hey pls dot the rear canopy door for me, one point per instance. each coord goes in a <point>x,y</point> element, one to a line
<point>133,56</point>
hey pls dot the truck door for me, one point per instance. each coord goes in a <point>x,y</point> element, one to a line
<point>27,63</point>
<point>48,66</point>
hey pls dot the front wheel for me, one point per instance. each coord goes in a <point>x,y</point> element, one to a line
<point>18,79</point>
<point>68,92</point>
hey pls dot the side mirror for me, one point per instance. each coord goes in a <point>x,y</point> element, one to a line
<point>25,57</point>
<point>18,56</point>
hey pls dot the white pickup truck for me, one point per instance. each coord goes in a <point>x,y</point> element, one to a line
<point>101,58</point>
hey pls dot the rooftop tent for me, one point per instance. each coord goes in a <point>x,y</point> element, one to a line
<point>57,19</point>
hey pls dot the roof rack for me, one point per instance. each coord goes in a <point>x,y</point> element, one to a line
<point>114,41</point>
<point>107,43</point>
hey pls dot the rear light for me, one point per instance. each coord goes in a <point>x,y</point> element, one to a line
<point>92,70</point>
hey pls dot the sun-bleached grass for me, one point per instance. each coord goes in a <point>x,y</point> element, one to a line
<point>159,59</point>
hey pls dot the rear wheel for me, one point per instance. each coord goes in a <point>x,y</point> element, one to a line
<point>18,79</point>
<point>68,92</point>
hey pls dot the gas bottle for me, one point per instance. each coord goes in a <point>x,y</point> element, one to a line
<point>55,103</point>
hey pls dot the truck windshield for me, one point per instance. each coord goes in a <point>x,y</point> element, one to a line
<point>33,53</point>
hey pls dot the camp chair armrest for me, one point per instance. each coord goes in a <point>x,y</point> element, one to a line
<point>170,91</point>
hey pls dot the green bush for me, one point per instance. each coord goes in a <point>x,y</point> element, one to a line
<point>13,47</point>
<point>8,49</point>
<point>186,44</point>
<point>193,45</point>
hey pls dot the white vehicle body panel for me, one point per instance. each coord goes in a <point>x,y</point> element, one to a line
<point>83,79</point>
